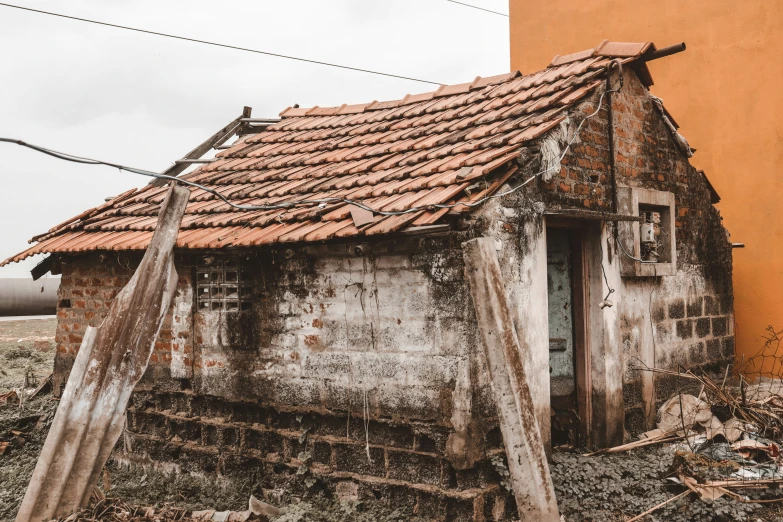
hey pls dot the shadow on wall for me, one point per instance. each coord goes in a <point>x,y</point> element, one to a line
<point>23,296</point>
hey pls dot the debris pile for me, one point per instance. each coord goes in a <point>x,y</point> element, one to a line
<point>724,441</point>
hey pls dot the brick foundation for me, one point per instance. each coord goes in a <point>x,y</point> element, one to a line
<point>210,435</point>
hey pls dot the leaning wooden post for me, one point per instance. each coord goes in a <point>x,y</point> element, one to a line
<point>111,360</point>
<point>527,464</point>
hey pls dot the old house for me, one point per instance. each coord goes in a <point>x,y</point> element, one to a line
<point>342,342</point>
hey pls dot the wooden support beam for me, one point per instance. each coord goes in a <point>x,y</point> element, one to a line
<point>269,121</point>
<point>112,358</point>
<point>592,215</point>
<point>193,161</point>
<point>216,140</point>
<point>527,463</point>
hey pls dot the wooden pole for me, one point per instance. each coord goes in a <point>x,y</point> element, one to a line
<point>111,360</point>
<point>527,464</point>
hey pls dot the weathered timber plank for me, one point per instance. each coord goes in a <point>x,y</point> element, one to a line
<point>111,360</point>
<point>527,464</point>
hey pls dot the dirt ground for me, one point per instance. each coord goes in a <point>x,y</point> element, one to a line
<point>26,350</point>
<point>603,488</point>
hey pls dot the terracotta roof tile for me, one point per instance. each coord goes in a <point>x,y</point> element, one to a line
<point>621,49</point>
<point>423,150</point>
<point>569,58</point>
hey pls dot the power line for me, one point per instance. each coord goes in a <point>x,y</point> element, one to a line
<point>479,8</point>
<point>321,202</point>
<point>277,55</point>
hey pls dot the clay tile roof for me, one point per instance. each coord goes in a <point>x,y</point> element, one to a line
<point>607,49</point>
<point>421,151</point>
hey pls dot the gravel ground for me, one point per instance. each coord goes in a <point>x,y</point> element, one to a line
<point>619,486</point>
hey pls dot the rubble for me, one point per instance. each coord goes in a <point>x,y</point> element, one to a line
<point>722,441</point>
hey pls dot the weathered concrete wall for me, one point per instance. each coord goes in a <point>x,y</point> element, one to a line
<point>373,346</point>
<point>517,225</point>
<point>381,333</point>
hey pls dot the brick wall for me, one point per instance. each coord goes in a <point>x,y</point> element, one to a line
<point>583,180</point>
<point>303,451</point>
<point>647,156</point>
<point>683,319</point>
<point>88,286</point>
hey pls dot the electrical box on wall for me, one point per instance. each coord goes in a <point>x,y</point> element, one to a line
<point>650,243</point>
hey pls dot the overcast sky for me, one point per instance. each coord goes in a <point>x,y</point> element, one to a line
<point>144,100</point>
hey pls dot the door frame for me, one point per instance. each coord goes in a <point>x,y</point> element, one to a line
<point>578,232</point>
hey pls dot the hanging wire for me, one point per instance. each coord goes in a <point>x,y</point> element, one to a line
<point>216,44</point>
<point>479,8</point>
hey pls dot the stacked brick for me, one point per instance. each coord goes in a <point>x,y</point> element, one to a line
<point>397,463</point>
<point>706,324</point>
<point>88,286</point>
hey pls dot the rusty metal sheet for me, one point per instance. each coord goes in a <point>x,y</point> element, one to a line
<point>111,360</point>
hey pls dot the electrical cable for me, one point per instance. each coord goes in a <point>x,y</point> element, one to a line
<point>629,255</point>
<point>479,8</point>
<point>227,46</point>
<point>321,202</point>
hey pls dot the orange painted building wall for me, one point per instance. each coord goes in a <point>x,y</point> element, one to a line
<point>725,91</point>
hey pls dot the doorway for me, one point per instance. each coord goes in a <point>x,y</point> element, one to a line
<point>568,353</point>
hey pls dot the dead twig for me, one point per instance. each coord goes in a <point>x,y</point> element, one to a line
<point>664,437</point>
<point>659,506</point>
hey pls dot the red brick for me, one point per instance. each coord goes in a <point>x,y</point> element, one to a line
<point>582,189</point>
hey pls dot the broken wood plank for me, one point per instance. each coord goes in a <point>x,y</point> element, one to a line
<point>527,464</point>
<point>44,387</point>
<point>111,360</point>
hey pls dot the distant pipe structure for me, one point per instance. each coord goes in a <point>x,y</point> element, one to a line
<point>27,297</point>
